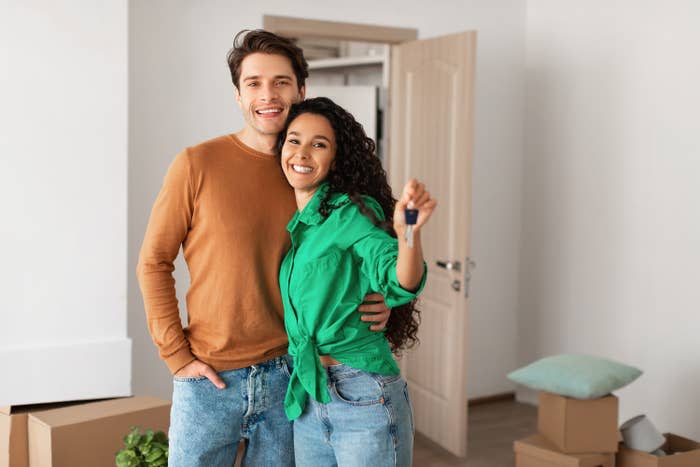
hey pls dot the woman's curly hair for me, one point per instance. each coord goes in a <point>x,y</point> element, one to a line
<point>357,171</point>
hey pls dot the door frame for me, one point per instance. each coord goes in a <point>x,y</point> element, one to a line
<point>294,28</point>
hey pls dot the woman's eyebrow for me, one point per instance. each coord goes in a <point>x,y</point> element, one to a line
<point>296,133</point>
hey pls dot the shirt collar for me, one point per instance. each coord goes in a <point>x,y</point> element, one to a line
<point>310,215</point>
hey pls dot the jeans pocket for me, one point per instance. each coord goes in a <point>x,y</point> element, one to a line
<point>385,380</point>
<point>360,389</point>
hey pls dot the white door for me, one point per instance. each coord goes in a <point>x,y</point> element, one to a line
<point>431,138</point>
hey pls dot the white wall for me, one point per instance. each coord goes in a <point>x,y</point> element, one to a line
<point>611,219</point>
<point>180,94</point>
<point>63,167</point>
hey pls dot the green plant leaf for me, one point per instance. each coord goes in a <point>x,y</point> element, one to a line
<point>160,437</point>
<point>155,455</point>
<point>133,438</point>
<point>127,458</point>
<point>160,445</point>
<point>144,449</point>
<point>147,450</point>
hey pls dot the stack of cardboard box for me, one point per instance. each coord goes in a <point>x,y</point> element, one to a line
<point>584,433</point>
<point>75,433</point>
<point>572,433</point>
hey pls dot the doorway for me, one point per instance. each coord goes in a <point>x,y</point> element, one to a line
<point>423,107</point>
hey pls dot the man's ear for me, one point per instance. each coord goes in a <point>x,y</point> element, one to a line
<point>237,93</point>
<point>302,93</point>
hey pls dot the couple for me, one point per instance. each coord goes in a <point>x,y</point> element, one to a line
<point>286,227</point>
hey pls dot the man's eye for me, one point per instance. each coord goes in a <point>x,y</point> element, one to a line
<point>282,83</point>
<point>252,84</point>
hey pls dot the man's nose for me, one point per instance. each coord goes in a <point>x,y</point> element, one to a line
<point>269,92</point>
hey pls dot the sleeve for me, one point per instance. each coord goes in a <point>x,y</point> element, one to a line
<point>378,252</point>
<point>167,229</point>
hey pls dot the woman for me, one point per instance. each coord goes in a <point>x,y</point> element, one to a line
<point>358,412</point>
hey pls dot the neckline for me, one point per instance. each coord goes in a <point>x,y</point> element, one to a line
<point>252,151</point>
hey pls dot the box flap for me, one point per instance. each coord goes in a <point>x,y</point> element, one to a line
<point>19,409</point>
<point>538,447</point>
<point>27,408</point>
<point>678,444</point>
<point>13,439</point>
<point>94,410</point>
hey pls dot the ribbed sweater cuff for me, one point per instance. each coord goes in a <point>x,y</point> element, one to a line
<point>179,359</point>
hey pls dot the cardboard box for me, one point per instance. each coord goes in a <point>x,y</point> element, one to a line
<point>13,437</point>
<point>579,426</point>
<point>682,452</point>
<point>91,434</point>
<point>14,451</point>
<point>537,451</point>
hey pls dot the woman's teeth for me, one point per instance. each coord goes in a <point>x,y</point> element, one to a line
<point>302,169</point>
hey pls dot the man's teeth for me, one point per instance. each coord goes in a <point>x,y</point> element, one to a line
<point>269,111</point>
<point>302,169</point>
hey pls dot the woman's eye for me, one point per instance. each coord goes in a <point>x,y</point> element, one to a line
<point>293,141</point>
<point>319,145</point>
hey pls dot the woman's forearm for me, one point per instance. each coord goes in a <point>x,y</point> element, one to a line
<point>409,265</point>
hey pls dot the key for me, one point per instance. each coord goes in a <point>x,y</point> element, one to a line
<point>411,219</point>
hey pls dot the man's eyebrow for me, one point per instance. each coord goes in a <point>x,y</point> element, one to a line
<point>248,78</point>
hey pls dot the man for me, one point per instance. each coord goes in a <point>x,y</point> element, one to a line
<point>227,203</point>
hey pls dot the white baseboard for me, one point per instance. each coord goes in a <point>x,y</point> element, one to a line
<point>65,372</point>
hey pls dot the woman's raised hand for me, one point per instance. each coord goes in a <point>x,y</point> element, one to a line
<point>413,196</point>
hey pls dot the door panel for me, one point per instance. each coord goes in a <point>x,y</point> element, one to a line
<point>431,138</point>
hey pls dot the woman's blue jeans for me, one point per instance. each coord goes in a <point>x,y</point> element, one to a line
<point>369,422</point>
<point>207,424</point>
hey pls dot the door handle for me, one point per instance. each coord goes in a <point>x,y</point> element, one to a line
<point>451,265</point>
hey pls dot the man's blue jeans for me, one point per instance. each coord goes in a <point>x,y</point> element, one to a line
<point>207,424</point>
<point>369,422</point>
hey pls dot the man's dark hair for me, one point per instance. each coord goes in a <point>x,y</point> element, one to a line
<point>249,42</point>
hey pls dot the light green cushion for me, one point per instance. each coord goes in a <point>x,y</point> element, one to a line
<point>577,376</point>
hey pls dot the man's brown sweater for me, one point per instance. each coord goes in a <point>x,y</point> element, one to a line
<point>228,206</point>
